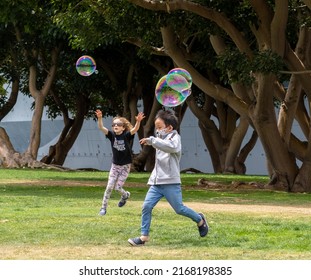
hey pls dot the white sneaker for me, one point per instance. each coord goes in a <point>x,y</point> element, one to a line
<point>102,212</point>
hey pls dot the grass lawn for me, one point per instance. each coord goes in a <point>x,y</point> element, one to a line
<point>49,214</point>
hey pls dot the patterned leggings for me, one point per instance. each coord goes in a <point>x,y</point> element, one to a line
<point>117,177</point>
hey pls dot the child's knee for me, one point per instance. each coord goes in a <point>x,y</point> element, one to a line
<point>180,211</point>
<point>147,207</point>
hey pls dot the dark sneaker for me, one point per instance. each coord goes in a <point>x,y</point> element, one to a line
<point>102,212</point>
<point>203,229</point>
<point>136,241</point>
<point>123,200</point>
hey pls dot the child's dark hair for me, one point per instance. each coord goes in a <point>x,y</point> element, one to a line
<point>169,118</point>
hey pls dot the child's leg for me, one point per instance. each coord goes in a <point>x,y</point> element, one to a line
<point>153,196</point>
<point>123,172</point>
<point>113,175</point>
<point>173,195</point>
<point>106,196</point>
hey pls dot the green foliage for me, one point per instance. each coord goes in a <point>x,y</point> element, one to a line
<point>70,87</point>
<point>91,24</point>
<point>267,62</point>
<point>27,28</point>
<point>33,19</point>
<point>2,90</point>
<point>240,67</point>
<point>237,65</point>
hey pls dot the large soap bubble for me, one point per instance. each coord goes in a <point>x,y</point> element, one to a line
<point>174,88</point>
<point>167,96</point>
<point>86,65</point>
<point>179,79</point>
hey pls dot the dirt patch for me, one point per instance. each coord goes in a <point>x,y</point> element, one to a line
<point>284,211</point>
<point>89,183</point>
<point>65,183</point>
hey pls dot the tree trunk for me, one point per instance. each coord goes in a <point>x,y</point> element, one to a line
<point>58,152</point>
<point>7,153</point>
<point>145,159</point>
<point>209,131</point>
<point>35,131</point>
<point>215,158</point>
<point>303,179</point>
<point>9,158</point>
<point>239,164</point>
<point>234,148</point>
<point>263,117</point>
<point>7,107</point>
<point>39,96</point>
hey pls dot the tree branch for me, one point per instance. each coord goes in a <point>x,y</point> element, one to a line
<point>278,27</point>
<point>202,11</point>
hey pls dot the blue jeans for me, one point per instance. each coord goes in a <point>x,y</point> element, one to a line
<point>173,194</point>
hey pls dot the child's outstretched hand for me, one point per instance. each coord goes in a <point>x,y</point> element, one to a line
<point>98,113</point>
<point>140,116</point>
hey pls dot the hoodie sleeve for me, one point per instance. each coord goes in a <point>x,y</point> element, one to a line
<point>171,144</point>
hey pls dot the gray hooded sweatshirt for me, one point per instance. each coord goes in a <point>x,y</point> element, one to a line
<point>168,154</point>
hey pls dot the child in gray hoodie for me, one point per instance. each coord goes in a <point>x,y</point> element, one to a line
<point>164,180</point>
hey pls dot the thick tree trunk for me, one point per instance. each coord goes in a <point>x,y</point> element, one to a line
<point>303,180</point>
<point>263,117</point>
<point>9,158</point>
<point>57,153</point>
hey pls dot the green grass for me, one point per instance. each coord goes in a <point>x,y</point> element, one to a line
<point>47,221</point>
<point>141,177</point>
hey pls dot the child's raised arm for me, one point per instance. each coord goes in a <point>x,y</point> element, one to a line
<point>138,118</point>
<point>101,126</point>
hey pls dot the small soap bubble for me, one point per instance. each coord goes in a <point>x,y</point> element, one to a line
<point>86,65</point>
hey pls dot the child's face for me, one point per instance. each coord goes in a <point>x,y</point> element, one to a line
<point>161,128</point>
<point>117,126</point>
<point>159,124</point>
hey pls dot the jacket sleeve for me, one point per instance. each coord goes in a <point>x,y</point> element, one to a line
<point>171,144</point>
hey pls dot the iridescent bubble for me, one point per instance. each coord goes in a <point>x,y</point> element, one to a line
<point>186,92</point>
<point>179,79</point>
<point>86,65</point>
<point>167,96</point>
<point>177,82</point>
